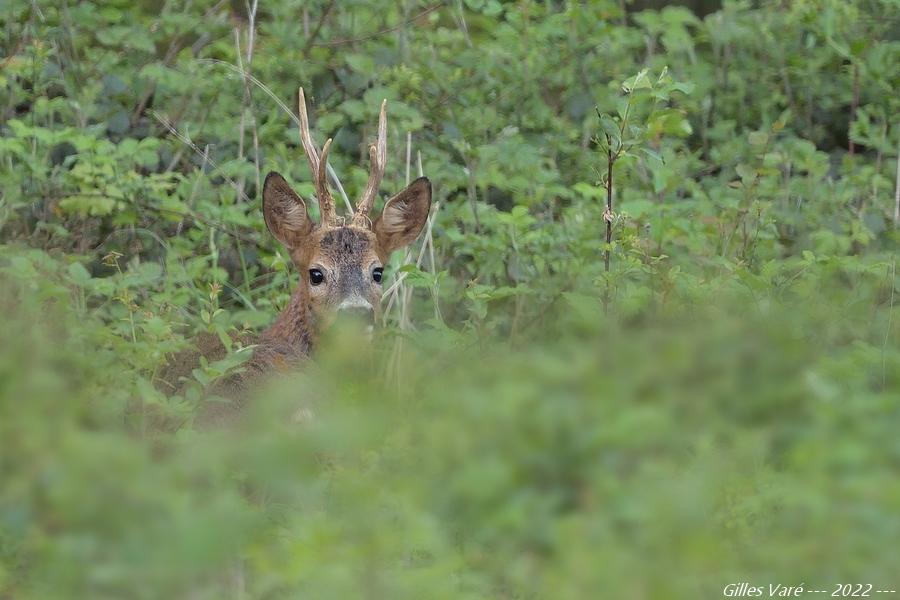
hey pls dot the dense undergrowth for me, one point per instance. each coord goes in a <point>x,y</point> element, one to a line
<point>720,405</point>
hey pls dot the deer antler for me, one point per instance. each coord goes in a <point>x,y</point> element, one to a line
<point>317,165</point>
<point>378,158</point>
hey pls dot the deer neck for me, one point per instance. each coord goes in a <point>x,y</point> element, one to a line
<point>293,329</point>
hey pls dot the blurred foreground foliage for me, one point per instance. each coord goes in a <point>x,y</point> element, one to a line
<point>721,406</point>
<point>744,437</point>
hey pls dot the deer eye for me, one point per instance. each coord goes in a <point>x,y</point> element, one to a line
<point>377,273</point>
<point>316,276</point>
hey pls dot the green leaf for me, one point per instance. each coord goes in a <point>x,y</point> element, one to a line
<point>79,275</point>
<point>361,63</point>
<point>638,82</point>
<point>652,155</point>
<point>746,173</point>
<point>758,138</point>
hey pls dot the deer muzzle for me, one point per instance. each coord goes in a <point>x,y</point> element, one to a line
<point>357,308</point>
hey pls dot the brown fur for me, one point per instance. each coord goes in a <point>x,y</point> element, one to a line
<point>345,254</point>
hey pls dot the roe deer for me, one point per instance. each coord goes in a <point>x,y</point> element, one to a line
<point>340,263</point>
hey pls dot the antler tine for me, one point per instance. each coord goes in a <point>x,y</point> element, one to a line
<point>305,138</point>
<point>322,184</point>
<point>378,158</point>
<point>316,165</point>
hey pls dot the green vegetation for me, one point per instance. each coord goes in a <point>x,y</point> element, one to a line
<point>711,397</point>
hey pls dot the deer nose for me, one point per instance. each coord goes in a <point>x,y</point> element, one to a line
<point>357,308</point>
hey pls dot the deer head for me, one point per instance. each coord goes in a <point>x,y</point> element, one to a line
<point>340,259</point>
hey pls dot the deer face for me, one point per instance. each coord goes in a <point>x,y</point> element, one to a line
<point>341,264</point>
<point>340,260</point>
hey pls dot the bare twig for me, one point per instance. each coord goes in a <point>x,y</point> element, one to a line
<point>408,153</point>
<point>395,288</point>
<point>398,288</point>
<point>247,100</point>
<point>853,107</point>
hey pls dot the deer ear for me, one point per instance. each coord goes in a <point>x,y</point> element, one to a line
<point>403,216</point>
<point>284,211</point>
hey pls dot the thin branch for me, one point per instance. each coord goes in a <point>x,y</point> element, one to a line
<point>897,191</point>
<point>251,42</point>
<point>887,330</point>
<point>311,38</point>
<point>178,213</point>
<point>362,38</point>
<point>851,148</point>
<point>237,48</point>
<point>607,214</point>
<point>462,23</point>
<point>408,153</point>
<point>187,141</point>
